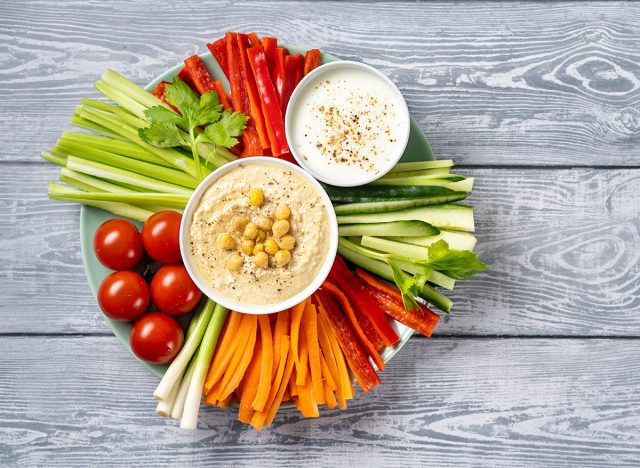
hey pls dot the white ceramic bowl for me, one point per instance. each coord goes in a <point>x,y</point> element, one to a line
<point>232,304</point>
<point>294,103</point>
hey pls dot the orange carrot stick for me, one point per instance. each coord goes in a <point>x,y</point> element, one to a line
<point>293,388</point>
<point>329,381</point>
<point>280,330</point>
<point>301,375</point>
<point>250,384</point>
<point>224,403</point>
<point>267,363</point>
<point>282,391</point>
<point>330,398</point>
<point>306,401</point>
<point>296,318</point>
<point>216,369</point>
<point>246,330</point>
<point>315,366</point>
<point>259,417</point>
<point>241,368</point>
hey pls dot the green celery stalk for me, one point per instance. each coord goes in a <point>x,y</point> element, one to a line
<point>421,165</point>
<point>88,125</point>
<point>55,159</point>
<point>202,361</point>
<point>91,184</point>
<point>135,92</point>
<point>162,173</point>
<point>122,114</point>
<point>117,175</point>
<point>165,200</point>
<point>120,98</point>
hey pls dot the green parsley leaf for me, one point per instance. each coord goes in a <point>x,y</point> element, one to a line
<point>458,264</point>
<point>209,109</point>
<point>162,114</point>
<point>224,131</point>
<point>180,95</point>
<point>162,135</point>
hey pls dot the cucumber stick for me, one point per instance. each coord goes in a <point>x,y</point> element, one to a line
<point>421,165</point>
<point>457,240</point>
<point>397,228</point>
<point>379,193</point>
<point>435,173</point>
<point>397,204</point>
<point>456,217</point>
<point>383,270</point>
<point>465,185</point>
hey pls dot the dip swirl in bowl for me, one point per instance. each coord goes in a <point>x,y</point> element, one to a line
<point>259,235</point>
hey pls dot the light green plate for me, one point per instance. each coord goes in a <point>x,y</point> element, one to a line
<point>418,149</point>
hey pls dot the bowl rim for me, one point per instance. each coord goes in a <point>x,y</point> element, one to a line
<point>290,114</point>
<point>232,304</point>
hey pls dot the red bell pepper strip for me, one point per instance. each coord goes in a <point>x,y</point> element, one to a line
<point>158,92</point>
<point>353,351</point>
<point>269,99</point>
<point>185,76</point>
<point>237,75</point>
<point>292,64</point>
<point>311,60</point>
<point>277,71</point>
<point>225,100</point>
<point>270,44</point>
<point>202,81</point>
<point>360,296</point>
<point>254,98</point>
<point>254,40</point>
<point>219,51</point>
<point>350,313</point>
<point>289,157</point>
<point>423,321</point>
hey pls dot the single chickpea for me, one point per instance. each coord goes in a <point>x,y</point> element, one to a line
<point>234,261</point>
<point>256,196</point>
<point>282,257</point>
<point>271,246</point>
<point>239,222</point>
<point>247,246</point>
<point>259,247</point>
<point>264,222</point>
<point>261,236</point>
<point>280,227</point>
<point>261,260</point>
<point>283,212</point>
<point>287,242</point>
<point>251,231</point>
<point>226,241</point>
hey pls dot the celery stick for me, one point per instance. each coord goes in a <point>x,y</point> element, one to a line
<point>89,183</point>
<point>202,361</point>
<point>139,94</point>
<point>55,159</point>
<point>122,114</point>
<point>438,171</point>
<point>165,174</point>
<point>120,209</point>
<point>88,125</point>
<point>115,174</point>
<point>179,364</point>
<point>181,397</point>
<point>120,98</point>
<point>421,165</point>
<point>147,199</point>
<point>121,147</point>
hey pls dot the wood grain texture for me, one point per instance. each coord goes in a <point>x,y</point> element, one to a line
<point>481,402</point>
<point>533,83</point>
<point>561,245</point>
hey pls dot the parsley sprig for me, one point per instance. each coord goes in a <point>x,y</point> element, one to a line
<point>169,129</point>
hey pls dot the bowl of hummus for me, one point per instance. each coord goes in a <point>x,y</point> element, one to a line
<point>259,235</point>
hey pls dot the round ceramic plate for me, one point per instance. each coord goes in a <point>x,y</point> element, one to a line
<point>418,149</point>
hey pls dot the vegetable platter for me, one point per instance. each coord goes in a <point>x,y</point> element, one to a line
<point>142,157</point>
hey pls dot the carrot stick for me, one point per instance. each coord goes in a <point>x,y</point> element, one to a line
<point>217,368</point>
<point>315,366</point>
<point>241,368</point>
<point>259,417</point>
<point>250,384</point>
<point>267,363</point>
<point>306,401</point>
<point>350,313</point>
<point>301,376</point>
<point>330,398</point>
<point>293,388</point>
<point>282,394</point>
<point>210,399</point>
<point>296,318</point>
<point>329,381</point>
<point>246,335</point>
<point>224,403</point>
<point>280,330</point>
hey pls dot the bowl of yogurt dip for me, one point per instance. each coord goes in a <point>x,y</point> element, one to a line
<point>259,235</point>
<point>347,123</point>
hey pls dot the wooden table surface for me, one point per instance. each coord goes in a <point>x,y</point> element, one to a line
<point>539,363</point>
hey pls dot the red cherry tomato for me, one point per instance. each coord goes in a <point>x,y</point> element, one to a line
<point>156,338</point>
<point>161,236</point>
<point>123,296</point>
<point>173,291</point>
<point>118,245</point>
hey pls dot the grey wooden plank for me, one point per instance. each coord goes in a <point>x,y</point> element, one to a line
<point>561,245</point>
<point>471,402</point>
<point>519,83</point>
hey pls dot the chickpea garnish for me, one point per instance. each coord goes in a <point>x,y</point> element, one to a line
<point>226,241</point>
<point>251,231</point>
<point>287,242</point>
<point>271,246</point>
<point>247,246</point>
<point>264,222</point>
<point>234,261</point>
<point>259,247</point>
<point>282,257</point>
<point>283,212</point>
<point>280,227</point>
<point>261,260</point>
<point>238,223</point>
<point>261,236</point>
<point>256,196</point>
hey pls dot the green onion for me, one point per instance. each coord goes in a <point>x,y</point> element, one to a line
<point>183,390</point>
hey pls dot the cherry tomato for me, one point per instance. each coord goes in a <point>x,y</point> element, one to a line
<point>156,338</point>
<point>118,245</point>
<point>161,236</point>
<point>123,296</point>
<point>173,291</point>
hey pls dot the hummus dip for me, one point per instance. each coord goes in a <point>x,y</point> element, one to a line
<point>227,200</point>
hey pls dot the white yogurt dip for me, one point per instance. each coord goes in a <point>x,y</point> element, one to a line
<point>347,124</point>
